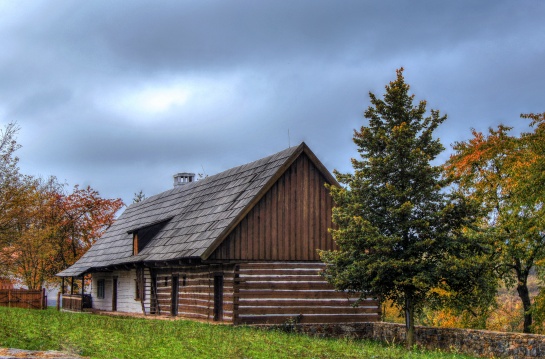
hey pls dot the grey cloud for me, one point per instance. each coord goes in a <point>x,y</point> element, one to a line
<point>185,36</point>
<point>305,66</point>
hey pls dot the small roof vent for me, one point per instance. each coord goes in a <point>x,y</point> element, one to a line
<point>183,178</point>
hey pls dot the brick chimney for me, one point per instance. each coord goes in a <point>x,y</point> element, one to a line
<point>183,178</point>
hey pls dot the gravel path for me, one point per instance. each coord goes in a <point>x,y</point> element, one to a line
<point>9,353</point>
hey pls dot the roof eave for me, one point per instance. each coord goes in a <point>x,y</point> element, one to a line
<point>129,265</point>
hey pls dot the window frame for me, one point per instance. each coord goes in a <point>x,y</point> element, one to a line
<point>101,288</point>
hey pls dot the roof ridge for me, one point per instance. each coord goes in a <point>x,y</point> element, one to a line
<point>249,164</point>
<point>208,178</point>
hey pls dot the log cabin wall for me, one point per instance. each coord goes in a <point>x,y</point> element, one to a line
<point>294,292</point>
<point>196,291</point>
<point>289,223</point>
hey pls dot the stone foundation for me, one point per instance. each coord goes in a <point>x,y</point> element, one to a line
<point>481,343</point>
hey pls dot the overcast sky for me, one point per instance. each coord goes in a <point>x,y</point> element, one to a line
<point>120,95</point>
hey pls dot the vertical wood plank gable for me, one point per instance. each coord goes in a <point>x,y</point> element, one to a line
<point>299,199</point>
<point>322,218</point>
<point>290,222</point>
<point>305,209</point>
<point>329,223</point>
<point>273,224</point>
<point>312,219</point>
<point>287,217</point>
<point>293,213</point>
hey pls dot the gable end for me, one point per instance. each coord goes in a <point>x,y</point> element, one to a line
<point>290,221</point>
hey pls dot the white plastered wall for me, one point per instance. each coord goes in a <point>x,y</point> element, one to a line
<point>126,291</point>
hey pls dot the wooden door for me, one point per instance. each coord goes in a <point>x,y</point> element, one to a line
<point>114,295</point>
<point>218,297</point>
<point>174,295</point>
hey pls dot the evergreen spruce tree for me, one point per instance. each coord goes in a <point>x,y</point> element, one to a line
<point>139,197</point>
<point>398,232</point>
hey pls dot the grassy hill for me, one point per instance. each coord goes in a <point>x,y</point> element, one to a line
<point>114,337</point>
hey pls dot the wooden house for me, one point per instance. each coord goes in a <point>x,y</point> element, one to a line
<point>238,247</point>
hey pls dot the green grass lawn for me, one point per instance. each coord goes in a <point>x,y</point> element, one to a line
<point>115,337</point>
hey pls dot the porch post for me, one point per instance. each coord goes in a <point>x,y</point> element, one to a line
<point>59,294</point>
<point>71,285</point>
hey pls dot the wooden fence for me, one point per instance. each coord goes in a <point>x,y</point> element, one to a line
<point>23,298</point>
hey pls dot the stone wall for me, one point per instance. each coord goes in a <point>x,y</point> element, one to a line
<point>481,343</point>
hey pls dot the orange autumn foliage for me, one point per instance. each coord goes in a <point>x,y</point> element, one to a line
<point>54,230</point>
<point>505,174</point>
<point>43,229</point>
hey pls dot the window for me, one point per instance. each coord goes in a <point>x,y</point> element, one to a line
<point>142,236</point>
<point>134,243</point>
<point>100,288</point>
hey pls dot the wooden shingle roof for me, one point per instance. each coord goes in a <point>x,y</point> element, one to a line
<point>194,218</point>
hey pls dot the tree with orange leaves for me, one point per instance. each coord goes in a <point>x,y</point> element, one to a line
<point>9,178</point>
<point>505,174</point>
<point>15,189</point>
<point>54,230</point>
<point>43,229</point>
<point>82,216</point>
<point>29,255</point>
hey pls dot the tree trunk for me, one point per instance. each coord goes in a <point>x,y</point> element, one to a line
<point>409,321</point>
<point>522,289</point>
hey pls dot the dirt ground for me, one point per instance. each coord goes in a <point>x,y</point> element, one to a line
<point>9,353</point>
<point>154,317</point>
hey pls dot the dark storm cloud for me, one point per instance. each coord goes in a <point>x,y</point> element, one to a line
<point>77,77</point>
<point>215,35</point>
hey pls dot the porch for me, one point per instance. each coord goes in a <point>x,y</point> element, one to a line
<point>75,302</point>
